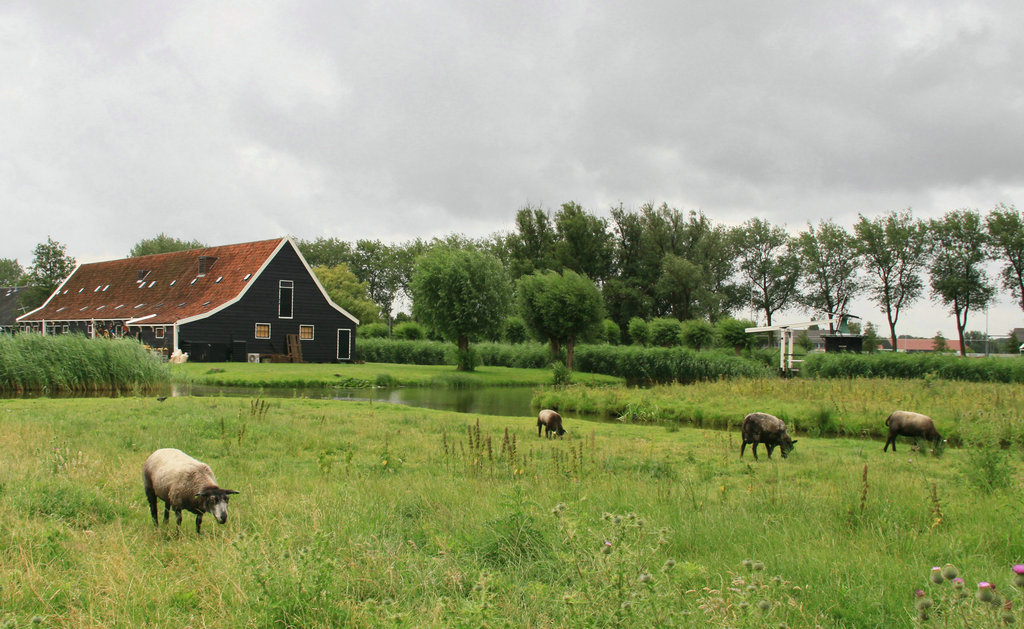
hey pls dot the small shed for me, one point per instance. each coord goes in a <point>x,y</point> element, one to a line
<point>251,301</point>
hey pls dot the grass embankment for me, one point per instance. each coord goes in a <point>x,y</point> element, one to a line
<point>368,375</point>
<point>72,363</point>
<point>963,411</point>
<point>373,515</point>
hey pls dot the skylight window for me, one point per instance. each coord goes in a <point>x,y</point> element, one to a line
<point>97,289</point>
<point>247,276</point>
<point>193,281</point>
<point>106,287</point>
<point>219,279</point>
<point>173,282</point>
<point>151,283</point>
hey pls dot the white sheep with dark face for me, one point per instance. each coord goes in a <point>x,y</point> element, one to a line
<point>183,483</point>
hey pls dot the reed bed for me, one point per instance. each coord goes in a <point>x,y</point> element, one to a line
<point>72,363</point>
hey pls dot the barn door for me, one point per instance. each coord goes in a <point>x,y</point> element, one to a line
<point>344,344</point>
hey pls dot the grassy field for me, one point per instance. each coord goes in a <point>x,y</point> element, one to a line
<point>368,375</point>
<point>964,412</point>
<point>353,514</point>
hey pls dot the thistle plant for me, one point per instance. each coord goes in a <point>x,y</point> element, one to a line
<point>948,600</point>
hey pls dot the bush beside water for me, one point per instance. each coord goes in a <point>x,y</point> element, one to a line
<point>71,363</point>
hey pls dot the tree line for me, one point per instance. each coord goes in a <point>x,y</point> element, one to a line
<point>650,263</point>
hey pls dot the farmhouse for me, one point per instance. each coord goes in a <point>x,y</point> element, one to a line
<point>237,302</point>
<point>11,306</point>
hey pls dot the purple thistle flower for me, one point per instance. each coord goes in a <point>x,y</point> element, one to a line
<point>1018,568</point>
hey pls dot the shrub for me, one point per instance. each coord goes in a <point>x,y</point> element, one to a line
<point>409,331</point>
<point>665,332</point>
<point>698,334</point>
<point>378,350</point>
<point>612,333</point>
<point>372,331</point>
<point>639,331</point>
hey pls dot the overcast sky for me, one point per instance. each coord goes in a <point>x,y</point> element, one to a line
<point>235,121</point>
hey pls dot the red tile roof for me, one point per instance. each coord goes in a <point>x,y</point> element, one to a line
<point>924,345</point>
<point>163,288</point>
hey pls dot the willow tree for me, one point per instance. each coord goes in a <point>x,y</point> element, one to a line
<point>561,307</point>
<point>463,294</point>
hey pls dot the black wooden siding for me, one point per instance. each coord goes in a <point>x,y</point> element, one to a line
<point>232,331</point>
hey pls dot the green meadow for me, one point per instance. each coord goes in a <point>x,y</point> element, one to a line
<point>370,515</point>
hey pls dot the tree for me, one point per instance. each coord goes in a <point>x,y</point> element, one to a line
<point>769,265</point>
<point>463,294</point>
<point>560,307</point>
<point>162,243</point>
<point>870,342</point>
<point>326,252</point>
<point>11,273</point>
<point>51,265</point>
<point>958,278</point>
<point>532,247</point>
<point>583,243</point>
<point>375,264</point>
<point>698,334</point>
<point>639,331</point>
<point>893,250</point>
<point>828,268</point>
<point>733,333</point>
<point>347,291</point>
<point>1006,230</point>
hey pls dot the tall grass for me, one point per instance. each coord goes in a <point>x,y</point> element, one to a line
<point>919,365</point>
<point>963,411</point>
<point>372,515</point>
<point>71,363</point>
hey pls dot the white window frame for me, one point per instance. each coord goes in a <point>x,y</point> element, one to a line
<point>312,332</point>
<point>256,332</point>
<point>289,284</point>
<point>158,332</point>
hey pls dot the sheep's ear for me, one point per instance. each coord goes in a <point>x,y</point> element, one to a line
<point>228,492</point>
<point>795,440</point>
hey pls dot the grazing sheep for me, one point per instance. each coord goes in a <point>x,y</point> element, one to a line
<point>183,483</point>
<point>551,422</point>
<point>910,424</point>
<point>766,429</point>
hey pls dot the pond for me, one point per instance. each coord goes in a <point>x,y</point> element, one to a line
<point>506,401</point>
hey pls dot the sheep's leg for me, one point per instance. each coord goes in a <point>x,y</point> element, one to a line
<point>890,440</point>
<point>539,428</point>
<point>743,446</point>
<point>769,447</point>
<point>754,450</point>
<point>151,497</point>
<point>177,515</point>
<point>199,522</point>
<point>167,512</point>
